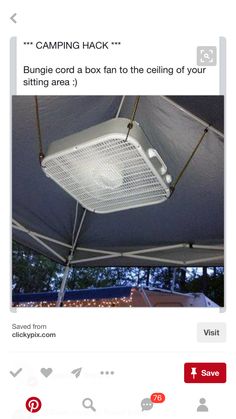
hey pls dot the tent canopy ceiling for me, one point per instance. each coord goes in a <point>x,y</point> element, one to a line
<point>193,214</point>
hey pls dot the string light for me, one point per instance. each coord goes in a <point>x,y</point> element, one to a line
<point>109,302</point>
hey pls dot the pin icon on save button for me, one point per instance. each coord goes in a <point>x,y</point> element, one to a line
<point>46,372</point>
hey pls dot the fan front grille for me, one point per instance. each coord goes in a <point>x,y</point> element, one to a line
<point>107,175</point>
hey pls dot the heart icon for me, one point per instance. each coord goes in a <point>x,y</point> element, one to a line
<point>46,372</point>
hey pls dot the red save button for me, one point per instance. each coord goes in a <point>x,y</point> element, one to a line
<point>205,372</point>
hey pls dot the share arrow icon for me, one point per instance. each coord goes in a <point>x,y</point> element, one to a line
<point>76,372</point>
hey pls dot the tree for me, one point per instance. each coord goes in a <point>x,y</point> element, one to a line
<point>33,272</point>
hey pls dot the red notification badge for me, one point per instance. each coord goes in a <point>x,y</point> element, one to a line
<point>157,398</point>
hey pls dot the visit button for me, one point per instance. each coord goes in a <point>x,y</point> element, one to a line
<point>204,372</point>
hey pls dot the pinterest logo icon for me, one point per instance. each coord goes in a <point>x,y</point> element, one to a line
<point>33,404</point>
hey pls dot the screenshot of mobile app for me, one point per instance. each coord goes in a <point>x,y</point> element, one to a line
<point>119,303</point>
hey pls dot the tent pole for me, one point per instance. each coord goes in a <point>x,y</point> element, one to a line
<point>158,249</point>
<point>120,106</point>
<point>95,258</point>
<point>172,261</point>
<point>41,242</point>
<point>145,298</point>
<point>174,280</point>
<point>196,118</point>
<point>203,247</point>
<point>202,260</point>
<point>68,264</point>
<point>41,236</point>
<point>102,252</point>
<point>63,284</point>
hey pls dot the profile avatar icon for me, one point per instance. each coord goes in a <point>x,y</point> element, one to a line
<point>202,407</point>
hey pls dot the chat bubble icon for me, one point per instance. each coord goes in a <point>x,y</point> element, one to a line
<point>146,404</point>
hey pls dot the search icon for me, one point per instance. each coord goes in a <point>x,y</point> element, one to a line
<point>88,404</point>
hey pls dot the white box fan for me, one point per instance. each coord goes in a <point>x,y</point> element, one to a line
<point>106,170</point>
